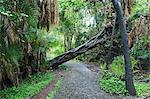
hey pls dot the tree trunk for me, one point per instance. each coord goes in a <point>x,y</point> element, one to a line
<point>1,75</point>
<point>128,69</point>
<point>99,38</point>
<point>126,6</point>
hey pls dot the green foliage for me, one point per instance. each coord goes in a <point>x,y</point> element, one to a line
<point>63,66</point>
<point>69,12</point>
<point>28,87</point>
<point>13,54</point>
<point>18,19</point>
<point>56,87</point>
<point>117,67</point>
<point>103,69</point>
<point>141,50</point>
<point>32,10</point>
<point>71,15</point>
<point>51,42</point>
<point>69,8</point>
<point>112,85</point>
<point>143,89</point>
<point>56,46</point>
<point>111,81</point>
<point>140,6</point>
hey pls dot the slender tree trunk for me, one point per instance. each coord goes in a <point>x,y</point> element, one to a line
<point>65,45</point>
<point>129,6</point>
<point>109,55</point>
<point>17,75</point>
<point>128,69</point>
<point>1,75</point>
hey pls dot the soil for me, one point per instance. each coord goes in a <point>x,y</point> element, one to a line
<point>44,93</point>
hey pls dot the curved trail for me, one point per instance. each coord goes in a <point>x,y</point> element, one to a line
<point>81,83</point>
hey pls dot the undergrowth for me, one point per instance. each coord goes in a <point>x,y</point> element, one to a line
<point>56,45</point>
<point>63,67</point>
<point>114,85</point>
<point>56,87</point>
<point>28,87</point>
<point>113,80</point>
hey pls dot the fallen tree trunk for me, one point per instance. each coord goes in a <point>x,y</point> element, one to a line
<point>92,43</point>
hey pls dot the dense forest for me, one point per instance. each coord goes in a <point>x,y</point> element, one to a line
<point>38,36</point>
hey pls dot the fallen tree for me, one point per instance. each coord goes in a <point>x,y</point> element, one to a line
<point>92,43</point>
<point>99,38</point>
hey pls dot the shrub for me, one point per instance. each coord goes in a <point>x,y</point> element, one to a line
<point>113,85</point>
<point>112,82</point>
<point>117,66</point>
<point>141,51</point>
<point>28,87</point>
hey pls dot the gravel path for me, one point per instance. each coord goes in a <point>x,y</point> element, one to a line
<point>81,83</point>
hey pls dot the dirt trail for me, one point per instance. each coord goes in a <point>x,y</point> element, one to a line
<point>78,82</point>
<point>81,83</point>
<point>44,93</point>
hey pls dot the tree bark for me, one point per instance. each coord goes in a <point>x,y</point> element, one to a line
<point>1,75</point>
<point>128,69</point>
<point>99,38</point>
